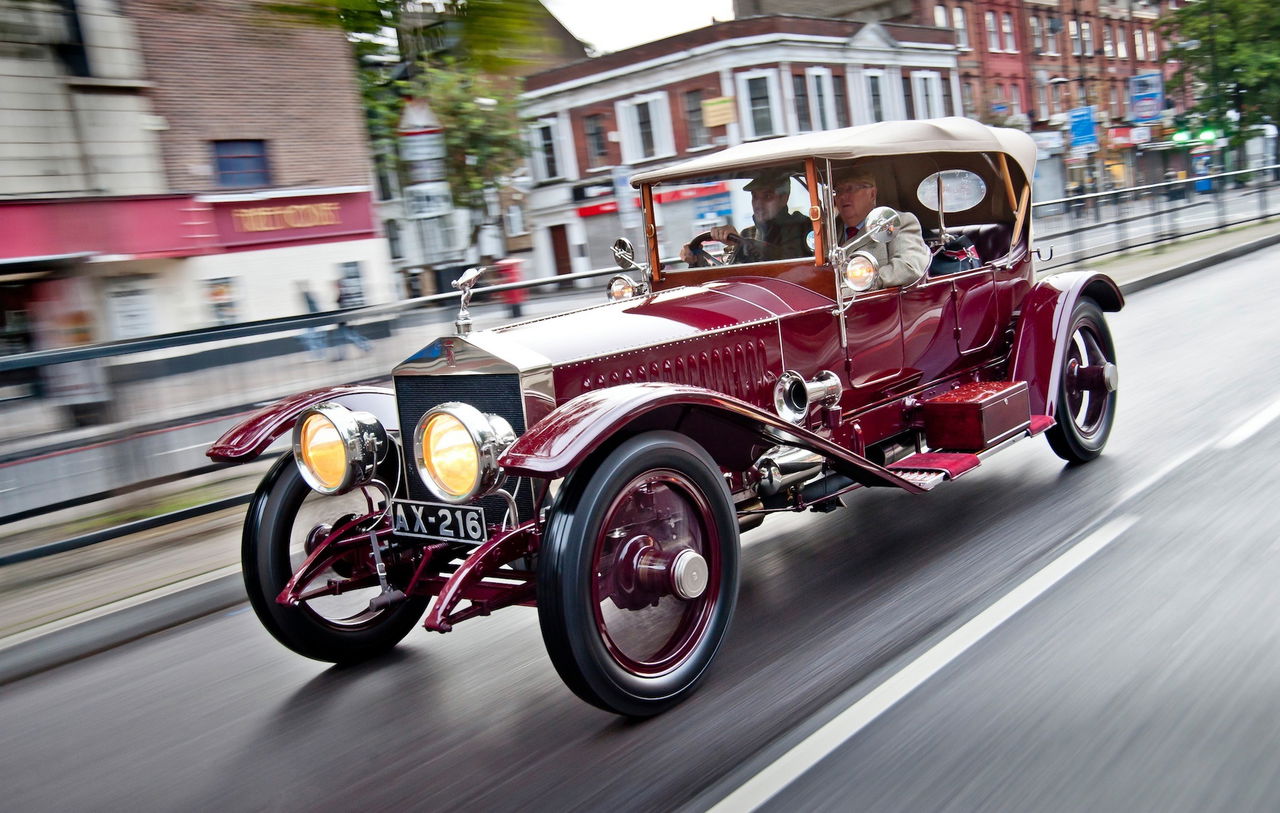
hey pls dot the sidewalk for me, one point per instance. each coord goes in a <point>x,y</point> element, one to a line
<point>67,606</point>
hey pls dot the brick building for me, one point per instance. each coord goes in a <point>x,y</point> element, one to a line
<point>1026,63</point>
<point>595,122</point>
<point>175,165</point>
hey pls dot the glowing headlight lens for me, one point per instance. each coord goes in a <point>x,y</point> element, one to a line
<point>322,452</point>
<point>620,287</point>
<point>860,271</point>
<point>449,457</point>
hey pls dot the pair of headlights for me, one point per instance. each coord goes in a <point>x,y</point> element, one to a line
<point>455,449</point>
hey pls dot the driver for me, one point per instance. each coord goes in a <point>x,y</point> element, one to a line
<point>903,259</point>
<point>777,234</point>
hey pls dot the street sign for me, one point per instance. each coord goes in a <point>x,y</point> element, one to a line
<point>1084,134</point>
<point>1146,98</point>
<point>720,110</point>
<point>628,212</point>
<point>423,152</point>
<point>431,199</point>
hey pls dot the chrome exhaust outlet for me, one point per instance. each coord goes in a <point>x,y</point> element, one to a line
<point>792,395</point>
<point>784,466</point>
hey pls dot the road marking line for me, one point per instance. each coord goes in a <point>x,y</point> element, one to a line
<point>818,745</point>
<point>1251,427</point>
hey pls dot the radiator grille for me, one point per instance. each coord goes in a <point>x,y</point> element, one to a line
<point>497,394</point>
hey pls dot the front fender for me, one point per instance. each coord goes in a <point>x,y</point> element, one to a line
<point>1040,338</point>
<point>563,440</point>
<point>249,438</point>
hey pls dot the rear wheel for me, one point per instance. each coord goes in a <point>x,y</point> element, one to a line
<point>1087,384</point>
<point>638,574</point>
<point>285,520</point>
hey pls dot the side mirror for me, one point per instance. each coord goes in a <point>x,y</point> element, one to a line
<point>883,224</point>
<point>624,253</point>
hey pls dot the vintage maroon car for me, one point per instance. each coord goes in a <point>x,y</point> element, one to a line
<point>600,465</point>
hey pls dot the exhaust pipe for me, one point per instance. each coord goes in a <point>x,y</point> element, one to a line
<point>784,466</point>
<point>792,395</point>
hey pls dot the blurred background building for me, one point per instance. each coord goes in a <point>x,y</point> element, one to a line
<point>168,166</point>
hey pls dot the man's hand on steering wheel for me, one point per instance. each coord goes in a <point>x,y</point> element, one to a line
<point>694,254</point>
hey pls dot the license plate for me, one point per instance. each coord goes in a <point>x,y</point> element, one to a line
<point>433,520</point>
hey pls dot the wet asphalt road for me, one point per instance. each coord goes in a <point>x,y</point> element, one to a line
<point>1144,680</point>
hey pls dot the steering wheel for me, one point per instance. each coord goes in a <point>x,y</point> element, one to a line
<point>699,253</point>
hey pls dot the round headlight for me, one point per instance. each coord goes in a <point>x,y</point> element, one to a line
<point>620,287</point>
<point>860,271</point>
<point>456,448</point>
<point>337,449</point>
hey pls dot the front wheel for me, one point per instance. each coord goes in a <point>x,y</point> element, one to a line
<point>638,574</point>
<point>285,518</point>
<point>1087,383</point>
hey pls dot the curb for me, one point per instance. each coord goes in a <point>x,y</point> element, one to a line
<point>1151,280</point>
<point>79,641</point>
<point>106,632</point>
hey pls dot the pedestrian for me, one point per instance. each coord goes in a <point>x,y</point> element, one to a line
<point>311,337</point>
<point>343,332</point>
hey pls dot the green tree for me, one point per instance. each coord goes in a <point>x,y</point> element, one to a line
<point>1228,51</point>
<point>482,127</point>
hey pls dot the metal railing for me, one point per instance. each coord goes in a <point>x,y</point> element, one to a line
<point>169,396</point>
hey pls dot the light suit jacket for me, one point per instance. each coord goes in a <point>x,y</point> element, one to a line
<point>904,259</point>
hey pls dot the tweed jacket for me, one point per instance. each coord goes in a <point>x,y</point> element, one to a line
<point>902,260</point>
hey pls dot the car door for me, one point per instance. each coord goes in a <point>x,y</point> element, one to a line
<point>873,327</point>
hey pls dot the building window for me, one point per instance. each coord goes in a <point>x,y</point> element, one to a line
<point>821,98</point>
<point>1074,28</point>
<point>842,104</point>
<point>1151,45</point>
<point>875,94</point>
<point>694,128</point>
<point>1138,49</point>
<point>966,97</point>
<point>803,122</point>
<point>392,228</point>
<point>993,32</point>
<point>241,163</point>
<point>1037,36</point>
<point>545,163</point>
<point>1086,31</point>
<point>908,102</point>
<point>1108,42</point>
<point>515,220</point>
<point>597,143</point>
<point>1054,27</point>
<point>1057,98</point>
<point>926,87</point>
<point>1122,43</point>
<point>940,16</point>
<point>646,127</point>
<point>962,29</point>
<point>1042,103</point>
<point>1015,99</point>
<point>1115,102</point>
<point>760,112</point>
<point>1010,44</point>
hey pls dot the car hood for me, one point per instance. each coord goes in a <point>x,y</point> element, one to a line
<point>668,316</point>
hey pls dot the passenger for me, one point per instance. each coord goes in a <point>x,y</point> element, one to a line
<point>904,259</point>
<point>776,234</point>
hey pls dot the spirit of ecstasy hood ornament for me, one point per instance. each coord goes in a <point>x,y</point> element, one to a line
<point>465,283</point>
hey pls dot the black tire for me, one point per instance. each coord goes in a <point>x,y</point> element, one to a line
<point>1085,412</point>
<point>344,631</point>
<point>591,638</point>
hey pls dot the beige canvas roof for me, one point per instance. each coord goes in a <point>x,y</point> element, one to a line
<point>913,137</point>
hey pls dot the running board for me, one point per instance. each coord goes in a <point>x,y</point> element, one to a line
<point>927,469</point>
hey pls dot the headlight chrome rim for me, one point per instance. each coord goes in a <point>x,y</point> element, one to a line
<point>860,271</point>
<point>490,437</point>
<point>364,445</point>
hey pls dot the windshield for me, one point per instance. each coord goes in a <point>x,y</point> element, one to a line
<point>744,217</point>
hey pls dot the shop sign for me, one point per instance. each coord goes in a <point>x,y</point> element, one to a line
<point>131,307</point>
<point>1146,97</point>
<point>1048,142</point>
<point>1084,133</point>
<point>257,221</point>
